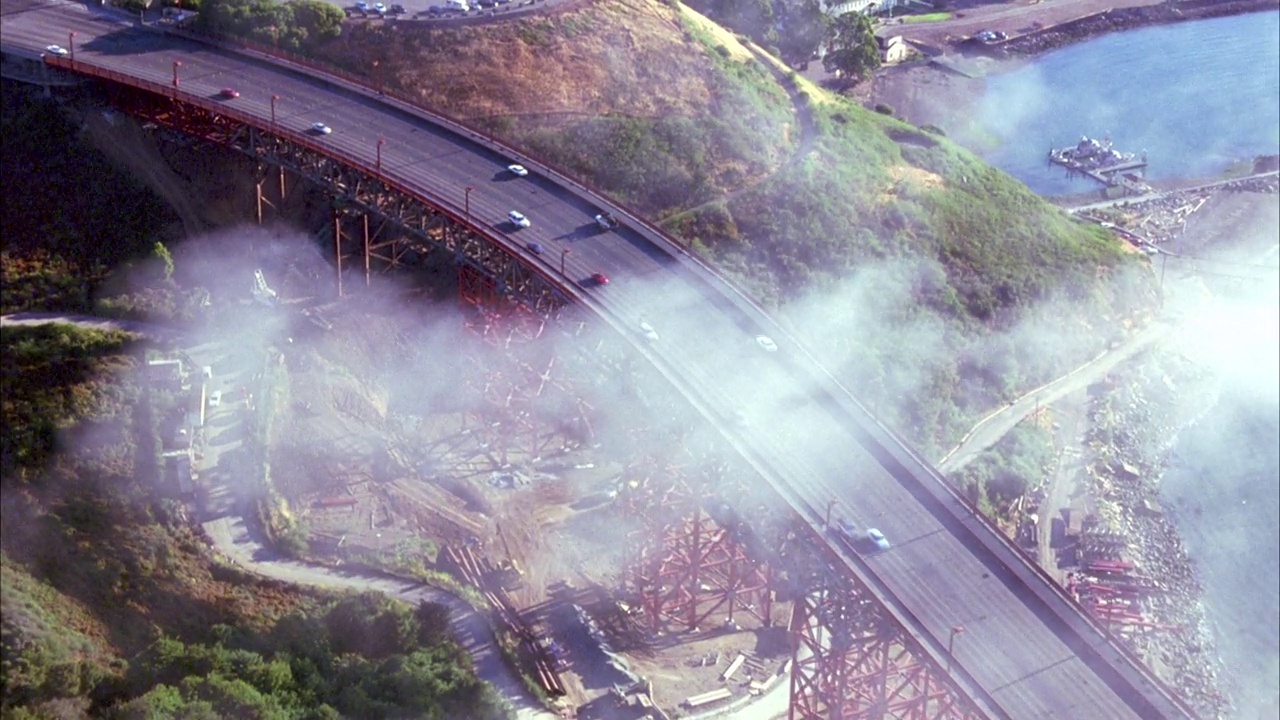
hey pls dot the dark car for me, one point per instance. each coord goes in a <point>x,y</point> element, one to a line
<point>599,279</point>
<point>397,9</point>
<point>229,93</point>
<point>534,248</point>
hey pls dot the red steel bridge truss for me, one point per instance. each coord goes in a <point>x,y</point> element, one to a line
<point>377,223</point>
<point>699,563</point>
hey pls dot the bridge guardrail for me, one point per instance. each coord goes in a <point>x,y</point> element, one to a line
<point>634,220</point>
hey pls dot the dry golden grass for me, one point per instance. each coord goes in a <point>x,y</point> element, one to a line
<point>622,57</point>
<point>722,36</point>
<point>909,180</point>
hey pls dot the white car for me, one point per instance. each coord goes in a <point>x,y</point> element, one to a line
<point>215,398</point>
<point>517,170</point>
<point>767,343</point>
<point>321,128</point>
<point>649,333</point>
<point>518,219</point>
<point>878,538</point>
<point>57,50</point>
<point>380,8</point>
<point>362,6</point>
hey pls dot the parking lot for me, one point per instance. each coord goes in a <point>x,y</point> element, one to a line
<point>445,10</point>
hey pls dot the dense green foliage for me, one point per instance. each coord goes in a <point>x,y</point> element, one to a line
<point>795,29</point>
<point>360,657</point>
<point>59,237</point>
<point>852,52</point>
<point>59,360</point>
<point>295,26</point>
<point>1018,463</point>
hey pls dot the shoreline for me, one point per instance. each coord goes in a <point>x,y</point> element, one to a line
<point>1126,18</point>
<point>1113,474</point>
<point>943,88</point>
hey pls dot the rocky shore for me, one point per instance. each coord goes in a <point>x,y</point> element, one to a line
<point>1133,424</point>
<point>1051,38</point>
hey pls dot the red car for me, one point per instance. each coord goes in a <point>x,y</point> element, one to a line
<point>229,93</point>
<point>599,279</point>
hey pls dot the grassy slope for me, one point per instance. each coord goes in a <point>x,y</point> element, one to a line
<point>928,263</point>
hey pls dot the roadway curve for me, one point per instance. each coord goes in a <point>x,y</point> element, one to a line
<point>1026,653</point>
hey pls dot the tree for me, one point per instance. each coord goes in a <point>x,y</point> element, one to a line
<point>852,51</point>
<point>803,30</point>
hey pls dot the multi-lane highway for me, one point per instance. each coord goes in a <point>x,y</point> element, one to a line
<point>1025,652</point>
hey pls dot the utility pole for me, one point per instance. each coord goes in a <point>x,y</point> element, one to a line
<point>951,643</point>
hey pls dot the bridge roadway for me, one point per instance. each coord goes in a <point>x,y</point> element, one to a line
<point>1026,651</point>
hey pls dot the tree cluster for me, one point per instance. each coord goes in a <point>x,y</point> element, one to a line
<point>364,656</point>
<point>294,26</point>
<point>797,31</point>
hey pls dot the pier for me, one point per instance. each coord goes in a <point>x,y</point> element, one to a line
<point>1098,160</point>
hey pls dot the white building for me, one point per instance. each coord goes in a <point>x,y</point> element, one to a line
<point>866,7</point>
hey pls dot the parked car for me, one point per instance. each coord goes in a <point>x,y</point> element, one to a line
<point>362,6</point>
<point>215,398</point>
<point>397,9</point>
<point>380,8</point>
<point>518,219</point>
<point>57,50</point>
<point>321,129</point>
<point>599,279</point>
<point>435,10</point>
<point>517,170</point>
<point>229,93</point>
<point>767,343</point>
<point>535,248</point>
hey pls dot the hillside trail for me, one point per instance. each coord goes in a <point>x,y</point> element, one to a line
<point>808,136</point>
<point>233,540</point>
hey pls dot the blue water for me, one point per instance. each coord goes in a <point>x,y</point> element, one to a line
<point>1196,96</point>
<point>1224,491</point>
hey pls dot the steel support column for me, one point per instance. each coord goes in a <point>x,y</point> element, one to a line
<point>851,662</point>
